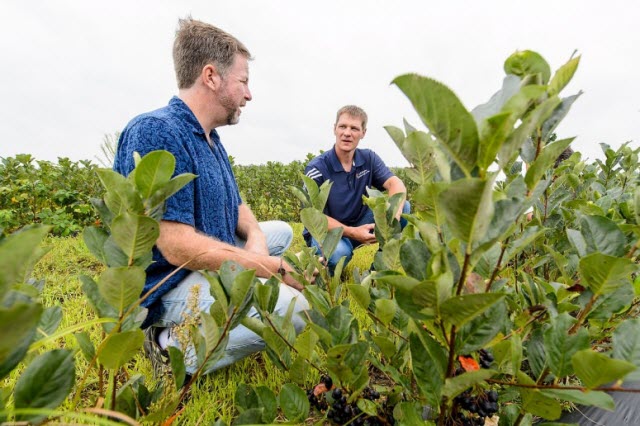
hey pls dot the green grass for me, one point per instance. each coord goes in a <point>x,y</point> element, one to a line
<point>212,397</point>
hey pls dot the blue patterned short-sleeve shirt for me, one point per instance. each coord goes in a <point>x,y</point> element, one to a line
<point>209,203</point>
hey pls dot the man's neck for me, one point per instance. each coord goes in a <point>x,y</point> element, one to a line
<point>345,157</point>
<point>201,108</point>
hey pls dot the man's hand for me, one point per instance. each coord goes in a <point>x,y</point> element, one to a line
<point>363,233</point>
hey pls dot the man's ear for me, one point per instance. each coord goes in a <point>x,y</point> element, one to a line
<point>210,77</point>
<point>364,132</point>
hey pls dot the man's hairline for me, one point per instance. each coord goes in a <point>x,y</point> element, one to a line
<point>364,127</point>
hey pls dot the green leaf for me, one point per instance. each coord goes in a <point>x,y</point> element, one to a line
<point>50,320</point>
<point>268,402</point>
<point>153,171</point>
<point>531,122</point>
<point>445,116</point>
<point>166,191</point>
<point>306,343</point>
<point>360,294</point>
<point>418,150</point>
<point>493,133</point>
<point>178,368</point>
<point>603,235</point>
<point>242,287</point>
<point>563,76</point>
<point>545,161</point>
<point>121,287</point>
<point>477,333</point>
<point>560,346</point>
<point>429,361</point>
<point>595,369</point>
<point>415,256</point>
<point>368,407</point>
<point>385,310</point>
<point>293,402</point>
<point>134,234</point>
<point>331,241</point>
<point>19,326</point>
<point>95,238</point>
<point>18,253</point>
<point>590,398</point>
<point>460,310</point>
<point>535,402</point>
<point>604,274</point>
<point>386,345</point>
<point>85,344</point>
<point>558,114</point>
<point>121,196</point>
<point>626,344</point>
<point>45,383</point>
<point>577,241</point>
<point>315,222</point>
<point>468,208</point>
<point>510,88</point>
<point>456,385</point>
<point>527,62</point>
<point>119,348</point>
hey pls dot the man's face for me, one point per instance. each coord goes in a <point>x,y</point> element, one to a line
<point>234,91</point>
<point>348,131</point>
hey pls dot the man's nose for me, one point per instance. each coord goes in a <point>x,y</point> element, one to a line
<point>247,95</point>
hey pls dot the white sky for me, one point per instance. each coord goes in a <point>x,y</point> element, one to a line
<point>72,71</point>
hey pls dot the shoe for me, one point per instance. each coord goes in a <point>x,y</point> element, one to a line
<point>159,357</point>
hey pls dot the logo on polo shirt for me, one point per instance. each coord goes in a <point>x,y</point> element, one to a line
<point>362,173</point>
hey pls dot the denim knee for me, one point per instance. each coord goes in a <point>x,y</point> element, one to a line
<point>343,249</point>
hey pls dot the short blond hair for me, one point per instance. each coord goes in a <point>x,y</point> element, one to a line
<point>198,44</point>
<point>354,111</point>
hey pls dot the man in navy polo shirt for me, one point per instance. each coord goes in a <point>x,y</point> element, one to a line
<point>205,223</point>
<point>351,170</point>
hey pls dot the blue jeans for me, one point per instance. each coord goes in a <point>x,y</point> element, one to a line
<point>346,245</point>
<point>242,341</point>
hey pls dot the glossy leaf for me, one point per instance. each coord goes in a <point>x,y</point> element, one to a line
<point>154,170</point>
<point>563,76</point>
<point>445,116</point>
<point>595,369</point>
<point>19,327</point>
<point>293,402</point>
<point>604,274</point>
<point>120,287</point>
<point>626,344</point>
<point>601,234</point>
<point>429,362</point>
<point>18,253</point>
<point>560,346</point>
<point>527,62</point>
<point>134,234</point>
<point>460,310</point>
<point>119,348</point>
<point>45,383</point>
<point>467,206</point>
<point>315,222</point>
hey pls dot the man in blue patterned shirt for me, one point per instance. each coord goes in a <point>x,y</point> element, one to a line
<point>205,223</point>
<point>352,170</point>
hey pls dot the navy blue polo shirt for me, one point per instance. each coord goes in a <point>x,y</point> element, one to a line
<point>345,198</point>
<point>209,203</point>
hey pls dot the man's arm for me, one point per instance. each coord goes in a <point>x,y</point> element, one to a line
<point>181,243</point>
<point>394,185</point>
<point>249,230</point>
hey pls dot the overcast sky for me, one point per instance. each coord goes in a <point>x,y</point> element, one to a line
<point>73,71</point>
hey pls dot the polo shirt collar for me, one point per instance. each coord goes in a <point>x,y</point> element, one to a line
<point>336,165</point>
<point>189,118</point>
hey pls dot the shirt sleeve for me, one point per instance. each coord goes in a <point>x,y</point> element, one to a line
<point>312,171</point>
<point>152,134</point>
<point>380,172</point>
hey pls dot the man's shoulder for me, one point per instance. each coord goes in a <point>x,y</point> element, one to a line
<point>319,162</point>
<point>157,119</point>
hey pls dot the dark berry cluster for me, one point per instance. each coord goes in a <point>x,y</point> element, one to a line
<point>339,411</point>
<point>484,404</point>
<point>485,358</point>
